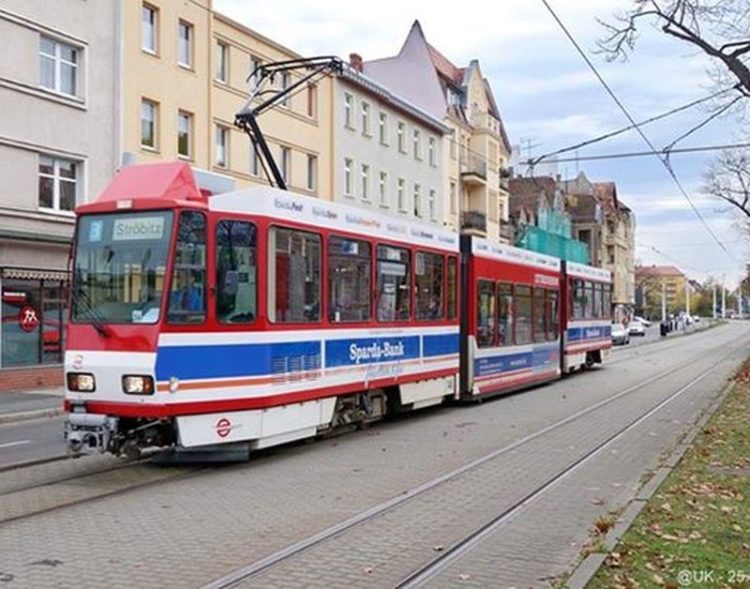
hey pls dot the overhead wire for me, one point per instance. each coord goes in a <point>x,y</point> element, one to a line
<point>664,160</point>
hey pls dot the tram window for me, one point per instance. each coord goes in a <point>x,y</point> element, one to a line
<point>485,313</point>
<point>394,278</point>
<point>607,301</point>
<point>588,300</point>
<point>523,314</point>
<point>428,272</point>
<point>538,314</point>
<point>293,276</point>
<point>349,264</point>
<point>505,313</point>
<point>236,272</point>
<point>187,296</point>
<point>553,315</point>
<point>598,300</point>
<point>577,297</point>
<point>451,298</point>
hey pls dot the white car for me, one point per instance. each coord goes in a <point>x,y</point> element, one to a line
<point>646,322</point>
<point>635,327</point>
<point>620,335</point>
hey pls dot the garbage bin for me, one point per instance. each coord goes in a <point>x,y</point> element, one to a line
<point>663,328</point>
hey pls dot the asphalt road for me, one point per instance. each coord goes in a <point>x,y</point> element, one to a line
<point>224,519</point>
<point>31,440</point>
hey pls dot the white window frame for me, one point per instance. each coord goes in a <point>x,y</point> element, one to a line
<point>401,134</point>
<point>366,126</point>
<point>58,62</point>
<point>285,158</point>
<point>402,195</point>
<point>221,157</point>
<point>222,63</point>
<point>348,110</point>
<point>312,172</point>
<point>348,171</point>
<point>154,29</point>
<point>383,126</point>
<point>187,26</point>
<point>417,138</point>
<point>433,151</point>
<point>365,185</point>
<point>417,201</point>
<point>285,80</point>
<point>431,205</point>
<point>454,197</point>
<point>383,183</point>
<point>57,179</point>
<point>155,123</point>
<point>183,115</point>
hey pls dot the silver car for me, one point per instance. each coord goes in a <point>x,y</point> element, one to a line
<point>620,335</point>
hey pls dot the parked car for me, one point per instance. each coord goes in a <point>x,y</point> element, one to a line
<point>696,318</point>
<point>646,322</point>
<point>620,335</point>
<point>636,327</point>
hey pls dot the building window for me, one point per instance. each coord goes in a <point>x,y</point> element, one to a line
<point>222,146</point>
<point>255,63</point>
<point>349,110</point>
<point>57,183</point>
<point>432,152</point>
<point>185,44</point>
<point>285,78</point>
<point>254,161</point>
<point>454,198</point>
<point>149,29</point>
<point>417,145</point>
<point>402,195</point>
<point>400,130</point>
<point>348,164</point>
<point>431,204</point>
<point>149,124</point>
<point>312,101</point>
<point>58,66</point>
<point>417,201</point>
<point>365,182</point>
<point>222,62</point>
<point>312,172</point>
<point>383,128</point>
<point>286,164</point>
<point>185,134</point>
<point>383,184</point>
<point>610,254</point>
<point>366,119</point>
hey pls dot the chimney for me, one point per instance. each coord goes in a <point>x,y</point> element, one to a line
<point>355,60</point>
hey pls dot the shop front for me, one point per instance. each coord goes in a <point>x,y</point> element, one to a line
<point>32,330</point>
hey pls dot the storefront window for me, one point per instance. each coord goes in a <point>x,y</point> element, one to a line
<point>33,317</point>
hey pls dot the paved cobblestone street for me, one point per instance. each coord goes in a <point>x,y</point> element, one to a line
<point>186,533</point>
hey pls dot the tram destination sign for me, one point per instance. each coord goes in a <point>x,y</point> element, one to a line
<point>131,228</point>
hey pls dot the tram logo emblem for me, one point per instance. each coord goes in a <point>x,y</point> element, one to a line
<point>77,362</point>
<point>28,318</point>
<point>223,427</point>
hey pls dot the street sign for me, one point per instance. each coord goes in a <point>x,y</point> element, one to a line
<point>28,318</point>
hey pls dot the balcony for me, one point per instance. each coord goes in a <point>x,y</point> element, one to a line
<point>474,171</point>
<point>506,232</point>
<point>474,222</point>
<point>486,122</point>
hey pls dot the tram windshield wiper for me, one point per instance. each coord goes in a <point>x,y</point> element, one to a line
<point>81,300</point>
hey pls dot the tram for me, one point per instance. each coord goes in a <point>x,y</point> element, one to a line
<point>258,317</point>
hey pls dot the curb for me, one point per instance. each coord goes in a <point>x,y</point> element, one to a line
<point>29,415</point>
<point>587,568</point>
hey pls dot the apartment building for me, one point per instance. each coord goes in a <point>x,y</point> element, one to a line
<point>58,95</point>
<point>476,151</point>
<point>187,71</point>
<point>653,280</point>
<point>387,152</point>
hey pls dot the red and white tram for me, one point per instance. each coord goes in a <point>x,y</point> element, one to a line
<point>258,317</point>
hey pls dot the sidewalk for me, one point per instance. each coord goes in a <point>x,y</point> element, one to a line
<point>23,405</point>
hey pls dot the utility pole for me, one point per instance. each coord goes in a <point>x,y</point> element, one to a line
<point>739,302</point>
<point>723,300</point>
<point>687,298</point>
<point>714,305</point>
<point>663,301</point>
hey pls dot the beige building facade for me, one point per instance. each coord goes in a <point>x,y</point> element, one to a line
<point>475,151</point>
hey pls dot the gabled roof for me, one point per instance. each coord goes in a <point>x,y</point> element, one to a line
<point>526,194</point>
<point>657,271</point>
<point>606,194</point>
<point>445,67</point>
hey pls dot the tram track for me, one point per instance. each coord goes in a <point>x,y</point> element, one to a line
<point>257,569</point>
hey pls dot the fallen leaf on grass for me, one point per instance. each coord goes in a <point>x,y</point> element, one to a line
<point>464,577</point>
<point>367,570</point>
<point>438,548</point>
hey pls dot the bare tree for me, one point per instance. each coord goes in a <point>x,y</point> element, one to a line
<point>719,28</point>
<point>728,178</point>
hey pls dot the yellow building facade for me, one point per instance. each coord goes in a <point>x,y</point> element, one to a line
<point>185,74</point>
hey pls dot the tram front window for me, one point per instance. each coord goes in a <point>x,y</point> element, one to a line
<point>120,267</point>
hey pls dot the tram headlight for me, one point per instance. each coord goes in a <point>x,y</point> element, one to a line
<point>81,382</point>
<point>138,385</point>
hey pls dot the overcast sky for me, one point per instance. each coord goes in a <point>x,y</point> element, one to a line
<point>549,99</point>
